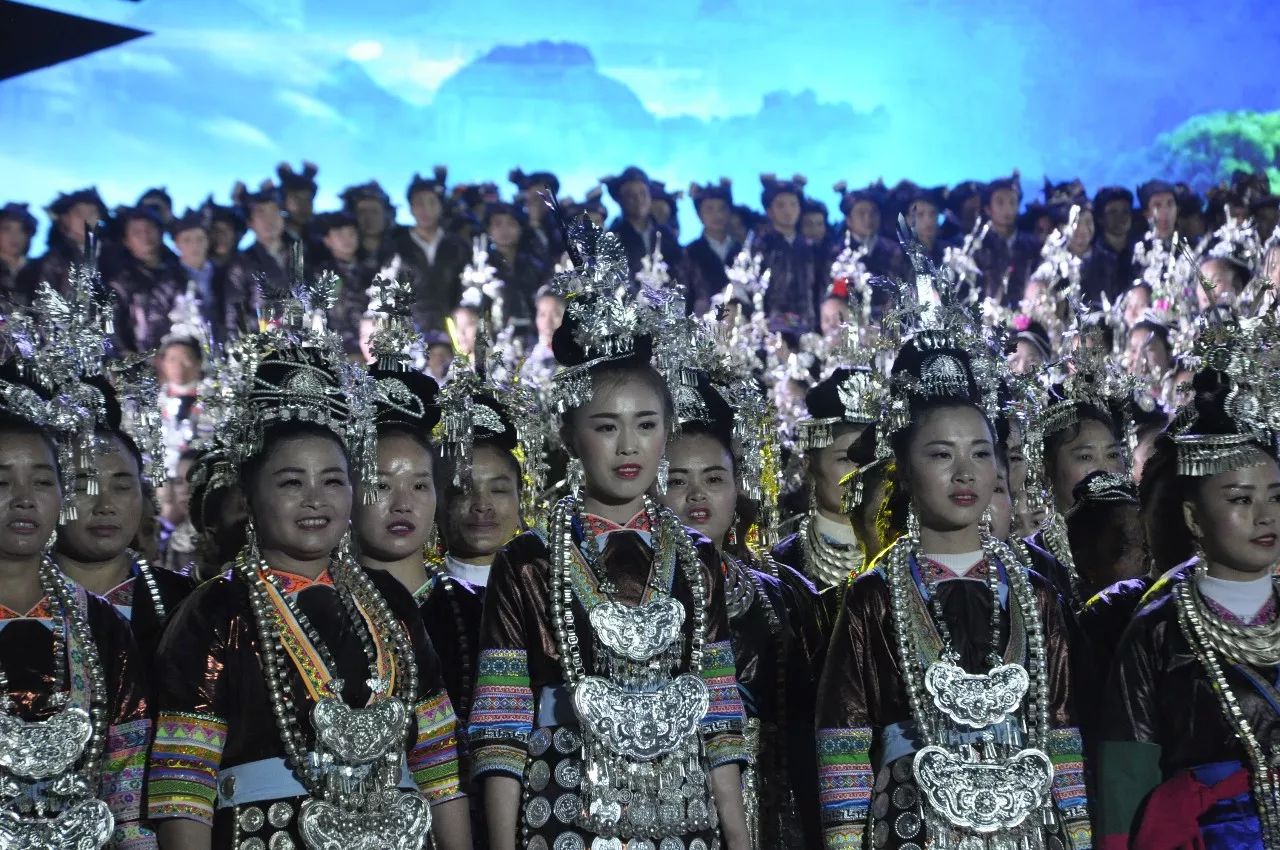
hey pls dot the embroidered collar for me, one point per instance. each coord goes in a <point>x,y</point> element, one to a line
<point>599,526</point>
<point>932,571</point>
<point>292,583</point>
<point>1265,614</point>
<point>41,611</point>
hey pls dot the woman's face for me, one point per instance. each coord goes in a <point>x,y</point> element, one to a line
<point>30,495</point>
<point>1093,448</point>
<point>829,466</point>
<point>105,523</point>
<point>1136,302</point>
<point>1220,275</point>
<point>482,521</point>
<point>701,487</point>
<point>300,498</point>
<point>620,435</point>
<point>1236,516</point>
<point>951,468</point>
<point>399,523</point>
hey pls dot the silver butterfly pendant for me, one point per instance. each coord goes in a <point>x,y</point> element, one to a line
<point>402,823</point>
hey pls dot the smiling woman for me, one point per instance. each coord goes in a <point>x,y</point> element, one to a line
<point>275,660</point>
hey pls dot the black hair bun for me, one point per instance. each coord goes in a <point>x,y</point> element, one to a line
<point>405,398</point>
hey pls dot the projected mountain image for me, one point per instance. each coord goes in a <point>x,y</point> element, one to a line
<point>221,96</point>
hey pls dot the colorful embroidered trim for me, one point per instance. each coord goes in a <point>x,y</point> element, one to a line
<point>726,748</point>
<point>307,658</point>
<point>124,768</point>
<point>501,713</point>
<point>844,776</point>
<point>183,776</point>
<point>1066,750</point>
<point>133,836</point>
<point>720,674</point>
<point>433,761</point>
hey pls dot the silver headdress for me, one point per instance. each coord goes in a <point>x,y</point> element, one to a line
<point>1243,351</point>
<point>945,352</point>
<point>295,371</point>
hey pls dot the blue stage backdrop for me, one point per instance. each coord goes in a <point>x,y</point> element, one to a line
<point>689,89</point>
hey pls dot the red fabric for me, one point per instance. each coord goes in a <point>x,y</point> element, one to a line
<point>1170,819</point>
<point>839,288</point>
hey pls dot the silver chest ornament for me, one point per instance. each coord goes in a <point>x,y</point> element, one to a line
<point>39,750</point>
<point>976,700</point>
<point>641,632</point>
<point>85,826</point>
<point>645,725</point>
<point>35,751</point>
<point>359,754</point>
<point>985,797</point>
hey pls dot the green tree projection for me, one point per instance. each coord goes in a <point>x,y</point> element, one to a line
<point>1205,149</point>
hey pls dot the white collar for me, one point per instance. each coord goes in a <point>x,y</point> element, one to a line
<point>477,574</point>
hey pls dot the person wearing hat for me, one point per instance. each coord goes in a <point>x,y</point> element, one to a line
<point>374,214</point>
<point>922,209</point>
<point>298,191</point>
<point>190,235</point>
<point>1159,202</point>
<point>662,206</point>
<point>636,227</point>
<point>862,210</point>
<point>814,226</point>
<point>261,266</point>
<point>73,213</point>
<point>1191,221</point>
<point>962,206</point>
<point>795,282</point>
<point>541,236</point>
<point>226,229</point>
<point>433,257</point>
<point>1113,245</point>
<point>521,272</point>
<point>146,279</point>
<point>160,202</point>
<point>1007,255</point>
<point>339,234</point>
<point>17,226</point>
<point>1104,526</point>
<point>713,252</point>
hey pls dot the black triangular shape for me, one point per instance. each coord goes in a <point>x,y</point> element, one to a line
<point>33,38</point>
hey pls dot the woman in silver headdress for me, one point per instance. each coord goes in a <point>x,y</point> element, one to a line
<point>1190,718</point>
<point>74,721</point>
<point>300,701</point>
<point>607,711</point>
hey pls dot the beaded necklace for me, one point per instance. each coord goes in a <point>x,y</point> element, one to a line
<point>358,595</point>
<point>1210,638</point>
<point>825,562</point>
<point>646,778</point>
<point>149,580</point>
<point>48,750</point>
<point>947,711</point>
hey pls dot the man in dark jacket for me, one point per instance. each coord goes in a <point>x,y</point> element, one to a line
<point>794,273</point>
<point>146,280</point>
<point>432,257</point>
<point>708,256</point>
<point>1007,255</point>
<point>636,228</point>
<point>263,266</point>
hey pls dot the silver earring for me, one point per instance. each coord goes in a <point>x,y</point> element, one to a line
<point>574,475</point>
<point>984,525</point>
<point>913,527</point>
<point>664,469</point>
<point>253,556</point>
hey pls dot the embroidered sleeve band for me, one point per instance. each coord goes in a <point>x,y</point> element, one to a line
<point>722,724</point>
<point>434,760</point>
<point>501,713</point>
<point>124,769</point>
<point>844,784</point>
<point>184,766</point>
